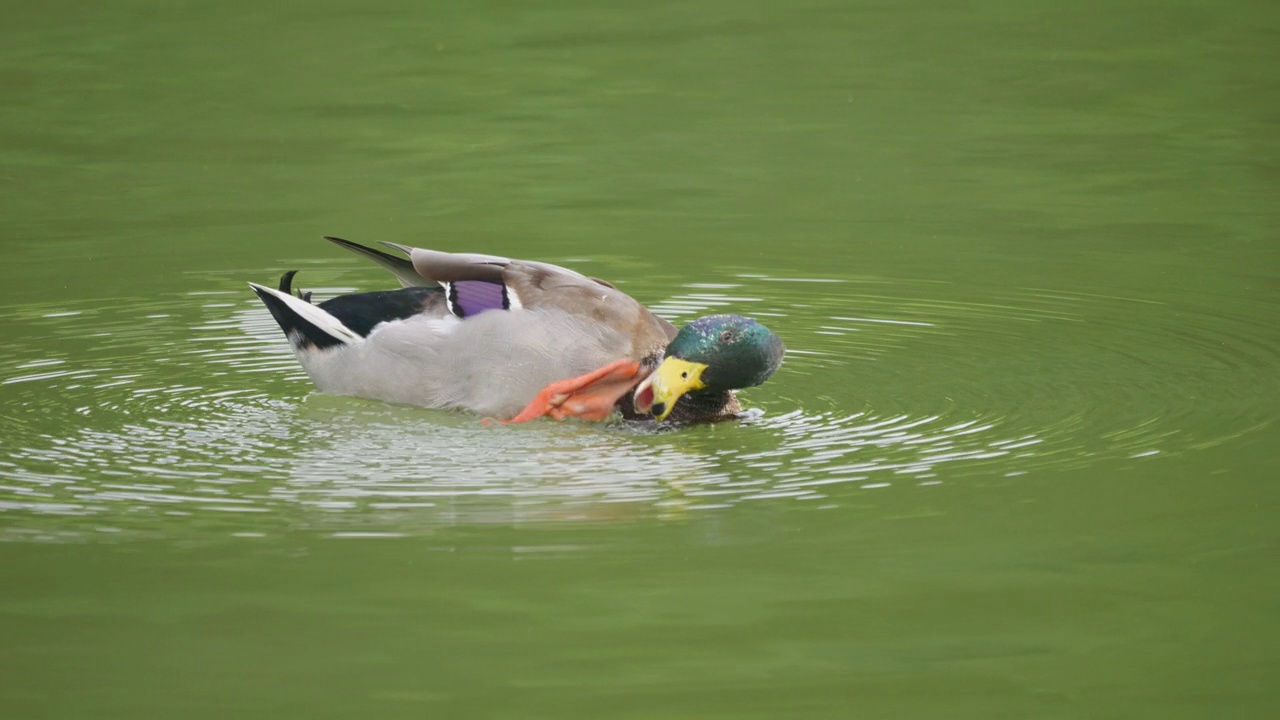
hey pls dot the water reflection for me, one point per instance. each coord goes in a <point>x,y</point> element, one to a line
<point>148,417</point>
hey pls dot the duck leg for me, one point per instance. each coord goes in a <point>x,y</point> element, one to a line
<point>586,397</point>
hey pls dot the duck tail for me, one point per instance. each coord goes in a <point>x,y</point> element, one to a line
<point>305,325</point>
<point>402,268</point>
<point>286,286</point>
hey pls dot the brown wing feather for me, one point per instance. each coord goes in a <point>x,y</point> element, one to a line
<point>543,285</point>
<point>451,267</point>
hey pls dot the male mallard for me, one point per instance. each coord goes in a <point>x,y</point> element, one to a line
<point>518,339</point>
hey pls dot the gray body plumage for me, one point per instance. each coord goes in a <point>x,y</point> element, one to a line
<point>492,364</point>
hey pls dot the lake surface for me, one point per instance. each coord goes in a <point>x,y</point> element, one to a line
<point>1021,461</point>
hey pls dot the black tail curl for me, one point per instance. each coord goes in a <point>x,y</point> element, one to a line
<point>286,286</point>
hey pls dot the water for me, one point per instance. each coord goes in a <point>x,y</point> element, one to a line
<point>1020,460</point>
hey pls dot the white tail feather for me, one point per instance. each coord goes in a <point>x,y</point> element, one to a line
<point>327,323</point>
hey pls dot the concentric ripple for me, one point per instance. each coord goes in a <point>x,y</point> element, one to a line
<point>141,419</point>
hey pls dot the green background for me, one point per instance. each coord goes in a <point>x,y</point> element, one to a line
<point>1020,462</point>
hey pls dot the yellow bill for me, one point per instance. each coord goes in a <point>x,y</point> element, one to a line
<point>673,378</point>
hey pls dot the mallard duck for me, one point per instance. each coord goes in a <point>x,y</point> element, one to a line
<point>518,340</point>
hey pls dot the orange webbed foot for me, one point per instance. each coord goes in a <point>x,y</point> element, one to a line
<point>586,397</point>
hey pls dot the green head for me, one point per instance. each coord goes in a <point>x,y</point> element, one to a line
<point>711,354</point>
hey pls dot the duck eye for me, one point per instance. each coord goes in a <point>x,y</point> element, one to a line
<point>684,375</point>
<point>726,336</point>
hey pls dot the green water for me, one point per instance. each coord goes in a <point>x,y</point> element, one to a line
<point>1021,461</point>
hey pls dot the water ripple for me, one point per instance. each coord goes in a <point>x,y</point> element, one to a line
<point>190,413</point>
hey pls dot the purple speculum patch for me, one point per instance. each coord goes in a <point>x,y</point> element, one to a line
<point>471,297</point>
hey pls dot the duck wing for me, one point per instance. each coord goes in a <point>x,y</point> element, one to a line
<point>474,283</point>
